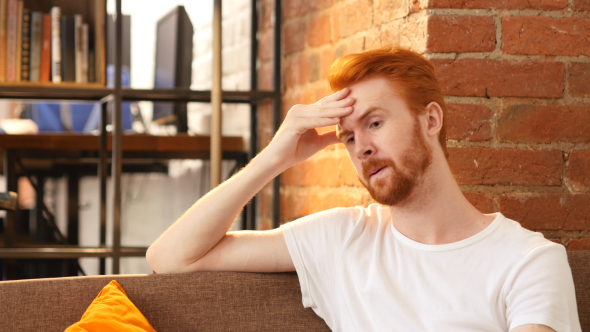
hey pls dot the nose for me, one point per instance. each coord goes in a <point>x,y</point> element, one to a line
<point>363,147</point>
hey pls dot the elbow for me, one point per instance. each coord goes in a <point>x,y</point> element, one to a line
<point>162,263</point>
<point>152,260</point>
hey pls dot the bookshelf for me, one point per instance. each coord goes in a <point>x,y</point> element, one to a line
<point>111,147</point>
<point>92,12</point>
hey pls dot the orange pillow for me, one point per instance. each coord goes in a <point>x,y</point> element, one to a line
<point>112,310</point>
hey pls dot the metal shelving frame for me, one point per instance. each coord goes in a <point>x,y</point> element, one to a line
<point>113,97</point>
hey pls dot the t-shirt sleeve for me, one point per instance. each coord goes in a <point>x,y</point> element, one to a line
<point>541,290</point>
<point>315,243</point>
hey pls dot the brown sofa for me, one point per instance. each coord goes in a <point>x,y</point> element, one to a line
<point>204,301</point>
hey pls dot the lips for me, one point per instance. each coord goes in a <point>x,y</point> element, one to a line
<point>377,170</point>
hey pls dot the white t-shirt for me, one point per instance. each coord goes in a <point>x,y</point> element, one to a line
<point>359,273</point>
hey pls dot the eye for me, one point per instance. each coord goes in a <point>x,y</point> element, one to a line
<point>350,139</point>
<point>376,124</point>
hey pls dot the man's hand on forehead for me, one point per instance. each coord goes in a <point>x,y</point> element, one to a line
<point>297,139</point>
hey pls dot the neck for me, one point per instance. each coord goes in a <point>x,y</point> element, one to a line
<point>437,212</point>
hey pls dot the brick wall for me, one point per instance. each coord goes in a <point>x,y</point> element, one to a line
<point>516,75</point>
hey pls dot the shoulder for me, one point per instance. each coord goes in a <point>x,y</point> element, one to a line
<point>341,221</point>
<point>523,242</point>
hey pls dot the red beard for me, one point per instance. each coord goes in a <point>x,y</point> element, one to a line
<point>394,189</point>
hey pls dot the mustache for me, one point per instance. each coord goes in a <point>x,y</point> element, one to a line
<point>369,165</point>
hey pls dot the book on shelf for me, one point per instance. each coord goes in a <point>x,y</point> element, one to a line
<point>91,66</point>
<point>19,39</point>
<point>55,45</point>
<point>36,36</point>
<point>45,62</point>
<point>26,46</point>
<point>3,9</point>
<point>84,51</point>
<point>11,30</point>
<point>68,49</point>
<point>78,49</point>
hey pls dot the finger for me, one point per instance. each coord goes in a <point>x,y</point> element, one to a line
<point>327,112</point>
<point>334,103</point>
<point>306,124</point>
<point>335,96</point>
<point>349,101</point>
<point>329,138</point>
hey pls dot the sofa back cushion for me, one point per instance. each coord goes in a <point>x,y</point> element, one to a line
<point>203,301</point>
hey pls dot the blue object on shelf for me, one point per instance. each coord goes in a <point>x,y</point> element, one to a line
<point>47,116</point>
<point>78,117</point>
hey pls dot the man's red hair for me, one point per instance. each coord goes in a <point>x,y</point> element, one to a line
<point>411,72</point>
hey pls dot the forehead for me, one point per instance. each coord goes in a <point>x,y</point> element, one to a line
<point>372,94</point>
<point>375,89</point>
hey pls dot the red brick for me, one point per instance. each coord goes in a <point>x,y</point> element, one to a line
<point>265,14</point>
<point>390,34</point>
<point>292,70</point>
<point>265,221</point>
<point>320,90</point>
<point>482,202</point>
<point>300,202</point>
<point>266,46</point>
<point>293,205</point>
<point>318,32</point>
<point>448,34</point>
<point>544,124</point>
<point>553,211</point>
<point>348,176</point>
<point>469,122</point>
<point>265,76</point>
<point>295,8</point>
<point>388,10</point>
<point>546,35</point>
<point>316,171</point>
<point>579,79</point>
<point>307,97</point>
<point>506,166</point>
<point>320,200</point>
<point>356,45</point>
<point>579,169</point>
<point>471,77</point>
<point>359,16</point>
<point>315,67</point>
<point>293,36</point>
<point>581,5</point>
<point>264,124</point>
<point>499,4</point>
<point>296,70</point>
<point>328,57</point>
<point>336,21</point>
<point>372,41</point>
<point>320,4</point>
<point>579,244</point>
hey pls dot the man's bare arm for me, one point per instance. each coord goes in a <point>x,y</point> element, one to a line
<point>199,239</point>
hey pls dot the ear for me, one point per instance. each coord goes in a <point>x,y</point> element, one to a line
<point>434,118</point>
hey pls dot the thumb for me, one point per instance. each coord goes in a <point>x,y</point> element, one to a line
<point>329,138</point>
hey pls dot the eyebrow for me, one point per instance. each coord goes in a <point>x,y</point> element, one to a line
<point>341,132</point>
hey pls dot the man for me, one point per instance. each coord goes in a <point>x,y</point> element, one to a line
<point>424,259</point>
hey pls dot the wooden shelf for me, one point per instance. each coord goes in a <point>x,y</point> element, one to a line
<point>130,143</point>
<point>68,252</point>
<point>62,91</point>
<point>195,95</point>
<point>95,92</point>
